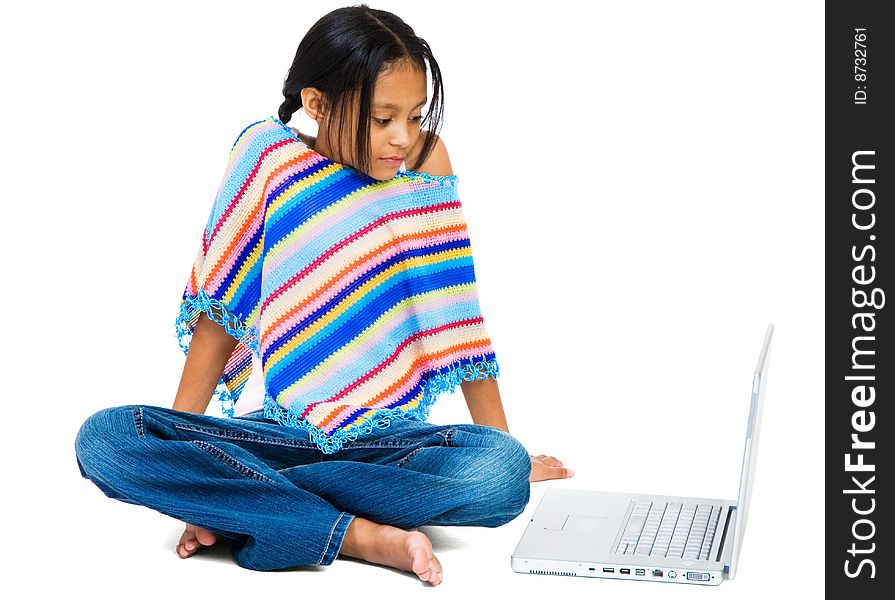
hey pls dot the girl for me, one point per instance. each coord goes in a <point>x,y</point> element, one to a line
<point>332,456</point>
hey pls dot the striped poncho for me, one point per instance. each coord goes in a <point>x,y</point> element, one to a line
<point>358,295</point>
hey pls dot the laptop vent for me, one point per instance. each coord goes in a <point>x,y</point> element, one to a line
<point>537,572</point>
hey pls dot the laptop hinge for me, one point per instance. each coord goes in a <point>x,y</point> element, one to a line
<point>727,522</point>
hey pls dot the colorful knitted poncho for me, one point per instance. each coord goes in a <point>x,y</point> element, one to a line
<point>358,295</point>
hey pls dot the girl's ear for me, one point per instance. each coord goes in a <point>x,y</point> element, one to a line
<point>312,103</point>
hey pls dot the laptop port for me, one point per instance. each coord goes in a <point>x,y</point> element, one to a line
<point>640,572</point>
<point>657,572</point>
<point>625,571</point>
<point>608,570</point>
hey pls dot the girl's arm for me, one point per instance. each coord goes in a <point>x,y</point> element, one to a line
<point>483,399</point>
<point>209,350</point>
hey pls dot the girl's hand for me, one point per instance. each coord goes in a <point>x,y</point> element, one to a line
<point>547,467</point>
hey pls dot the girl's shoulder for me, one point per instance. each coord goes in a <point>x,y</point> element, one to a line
<point>438,163</point>
<point>309,140</point>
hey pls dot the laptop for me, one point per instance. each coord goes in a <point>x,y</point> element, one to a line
<point>645,537</point>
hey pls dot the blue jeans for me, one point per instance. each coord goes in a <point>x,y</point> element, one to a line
<point>280,499</point>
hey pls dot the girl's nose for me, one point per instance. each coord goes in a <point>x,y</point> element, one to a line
<point>401,137</point>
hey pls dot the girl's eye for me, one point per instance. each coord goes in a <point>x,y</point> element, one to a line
<point>384,122</point>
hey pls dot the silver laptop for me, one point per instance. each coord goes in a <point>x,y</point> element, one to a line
<point>645,537</point>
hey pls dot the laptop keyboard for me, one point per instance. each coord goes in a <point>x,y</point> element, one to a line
<point>670,530</point>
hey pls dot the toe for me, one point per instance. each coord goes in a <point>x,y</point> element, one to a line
<point>205,537</point>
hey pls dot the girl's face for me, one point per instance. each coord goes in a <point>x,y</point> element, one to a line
<point>397,103</point>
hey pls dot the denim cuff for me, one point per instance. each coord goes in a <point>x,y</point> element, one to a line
<point>336,535</point>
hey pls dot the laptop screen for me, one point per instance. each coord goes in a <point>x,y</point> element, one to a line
<point>759,383</point>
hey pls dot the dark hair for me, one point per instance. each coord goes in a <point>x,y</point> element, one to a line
<point>343,54</point>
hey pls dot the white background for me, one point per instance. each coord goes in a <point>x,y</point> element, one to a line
<point>643,187</point>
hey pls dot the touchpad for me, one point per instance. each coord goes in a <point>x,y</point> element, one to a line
<point>556,521</point>
<point>585,523</point>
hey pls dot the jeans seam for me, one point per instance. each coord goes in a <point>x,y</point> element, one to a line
<point>329,539</point>
<point>404,460</point>
<point>449,436</point>
<point>247,437</point>
<point>138,421</point>
<point>381,445</point>
<point>231,461</point>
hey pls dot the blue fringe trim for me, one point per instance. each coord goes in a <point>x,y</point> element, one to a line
<point>230,322</point>
<point>445,180</point>
<point>444,380</point>
<point>220,314</point>
<point>225,397</point>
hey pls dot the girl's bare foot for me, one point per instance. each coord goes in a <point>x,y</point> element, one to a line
<point>194,538</point>
<point>392,546</point>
